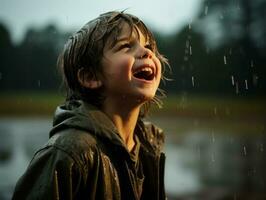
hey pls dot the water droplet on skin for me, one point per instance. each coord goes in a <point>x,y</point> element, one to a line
<point>190,50</point>
<point>225,61</point>
<point>193,81</point>
<point>233,80</point>
<point>246,84</point>
<point>206,10</point>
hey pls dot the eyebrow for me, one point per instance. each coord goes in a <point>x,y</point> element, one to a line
<point>123,39</point>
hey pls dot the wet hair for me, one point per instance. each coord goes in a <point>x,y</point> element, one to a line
<point>84,51</point>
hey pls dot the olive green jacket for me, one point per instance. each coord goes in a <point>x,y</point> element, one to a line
<point>85,158</point>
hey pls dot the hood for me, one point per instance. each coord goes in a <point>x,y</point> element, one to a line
<point>83,116</point>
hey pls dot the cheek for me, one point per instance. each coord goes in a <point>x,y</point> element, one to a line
<point>159,68</point>
<point>119,67</point>
<point>123,66</point>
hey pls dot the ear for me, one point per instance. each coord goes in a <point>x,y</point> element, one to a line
<point>88,81</point>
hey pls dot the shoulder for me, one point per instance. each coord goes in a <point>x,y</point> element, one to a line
<point>72,140</point>
<point>73,144</point>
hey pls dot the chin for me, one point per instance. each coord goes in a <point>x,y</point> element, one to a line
<point>146,97</point>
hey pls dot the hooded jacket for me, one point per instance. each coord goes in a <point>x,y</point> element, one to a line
<point>85,158</point>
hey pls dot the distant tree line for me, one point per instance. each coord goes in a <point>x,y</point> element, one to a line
<point>234,64</point>
<point>31,64</point>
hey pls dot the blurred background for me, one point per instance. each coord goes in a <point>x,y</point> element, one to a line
<point>214,114</point>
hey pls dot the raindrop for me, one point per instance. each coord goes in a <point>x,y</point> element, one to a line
<point>227,111</point>
<point>215,111</point>
<point>251,63</point>
<point>245,150</point>
<point>225,61</point>
<point>237,89</point>
<point>246,84</point>
<point>213,159</point>
<point>193,81</point>
<point>235,196</point>
<point>206,10</point>
<point>190,50</point>
<point>230,51</point>
<point>187,43</point>
<point>255,79</point>
<point>261,147</point>
<point>233,80</point>
<point>213,138</point>
<point>189,26</point>
<point>207,50</point>
<point>185,58</point>
<point>39,83</point>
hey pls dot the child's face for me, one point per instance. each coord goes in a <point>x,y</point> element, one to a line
<point>130,67</point>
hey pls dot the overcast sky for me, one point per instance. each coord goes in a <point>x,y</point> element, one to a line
<point>162,15</point>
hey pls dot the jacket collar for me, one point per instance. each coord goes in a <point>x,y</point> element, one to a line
<point>84,116</point>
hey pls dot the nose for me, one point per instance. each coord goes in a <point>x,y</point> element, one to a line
<point>145,53</point>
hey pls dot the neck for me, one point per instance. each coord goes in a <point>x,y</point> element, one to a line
<point>124,118</point>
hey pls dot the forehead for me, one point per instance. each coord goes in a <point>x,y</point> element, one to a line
<point>126,30</point>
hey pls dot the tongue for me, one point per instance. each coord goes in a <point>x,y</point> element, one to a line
<point>144,75</point>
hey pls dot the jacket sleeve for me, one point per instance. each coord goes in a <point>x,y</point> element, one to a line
<point>52,174</point>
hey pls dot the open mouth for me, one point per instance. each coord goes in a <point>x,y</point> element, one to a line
<point>145,73</point>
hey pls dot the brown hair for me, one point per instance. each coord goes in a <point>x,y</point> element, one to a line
<point>84,51</point>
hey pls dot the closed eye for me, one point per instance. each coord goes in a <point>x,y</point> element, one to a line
<point>125,46</point>
<point>148,46</point>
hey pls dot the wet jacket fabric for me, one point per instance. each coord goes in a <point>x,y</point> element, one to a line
<point>85,158</point>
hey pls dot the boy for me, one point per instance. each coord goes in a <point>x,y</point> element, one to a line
<point>99,146</point>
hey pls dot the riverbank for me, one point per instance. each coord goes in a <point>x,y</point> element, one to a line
<point>33,103</point>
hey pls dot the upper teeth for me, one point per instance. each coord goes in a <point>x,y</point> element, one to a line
<point>147,69</point>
